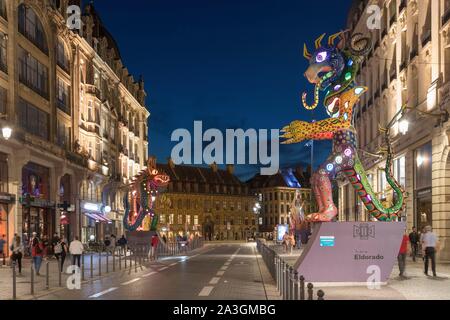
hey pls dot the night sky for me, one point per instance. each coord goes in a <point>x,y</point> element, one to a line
<point>231,64</point>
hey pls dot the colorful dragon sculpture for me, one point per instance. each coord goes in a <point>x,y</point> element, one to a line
<point>139,194</point>
<point>332,68</point>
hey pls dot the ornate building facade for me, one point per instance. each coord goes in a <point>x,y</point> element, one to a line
<point>208,202</point>
<point>276,194</point>
<point>409,65</point>
<point>79,123</point>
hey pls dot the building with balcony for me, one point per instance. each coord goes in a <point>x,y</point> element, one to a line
<point>74,110</point>
<point>409,64</point>
<point>208,202</point>
<point>276,194</point>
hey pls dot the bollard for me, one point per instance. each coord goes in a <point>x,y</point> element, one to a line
<point>295,293</point>
<point>281,276</point>
<point>32,280</point>
<point>277,278</point>
<point>125,258</point>
<point>320,295</point>
<point>310,291</point>
<point>59,273</point>
<point>291,284</point>
<point>283,279</point>
<point>135,261</point>
<point>286,282</point>
<point>14,281</point>
<point>114,261</point>
<point>120,260</point>
<point>47,274</point>
<point>92,265</point>
<point>82,267</point>
<point>107,261</point>
<point>302,288</point>
<point>99,263</point>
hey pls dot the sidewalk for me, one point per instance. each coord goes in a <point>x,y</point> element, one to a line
<point>417,286</point>
<point>23,283</point>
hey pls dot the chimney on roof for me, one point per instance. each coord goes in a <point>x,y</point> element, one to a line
<point>170,163</point>
<point>230,168</point>
<point>213,166</point>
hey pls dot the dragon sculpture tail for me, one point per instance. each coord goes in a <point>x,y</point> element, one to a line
<point>140,217</point>
<point>361,184</point>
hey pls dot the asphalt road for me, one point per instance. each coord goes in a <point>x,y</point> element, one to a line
<point>219,272</point>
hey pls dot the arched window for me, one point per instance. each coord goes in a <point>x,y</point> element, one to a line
<point>62,58</point>
<point>31,27</point>
<point>3,9</point>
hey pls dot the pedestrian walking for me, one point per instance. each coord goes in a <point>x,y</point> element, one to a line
<point>430,244</point>
<point>291,243</point>
<point>17,251</point>
<point>54,241</point>
<point>414,240</point>
<point>123,244</point>
<point>60,250</point>
<point>286,241</point>
<point>2,246</point>
<point>154,246</point>
<point>76,250</point>
<point>113,243</point>
<point>402,255</point>
<point>37,253</point>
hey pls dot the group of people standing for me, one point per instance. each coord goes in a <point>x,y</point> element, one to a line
<point>429,243</point>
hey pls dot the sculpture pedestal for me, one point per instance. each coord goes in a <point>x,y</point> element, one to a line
<point>351,253</point>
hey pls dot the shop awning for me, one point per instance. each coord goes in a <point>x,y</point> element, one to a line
<point>97,217</point>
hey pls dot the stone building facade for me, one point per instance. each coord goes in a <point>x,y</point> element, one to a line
<point>79,123</point>
<point>409,64</point>
<point>276,194</point>
<point>206,201</point>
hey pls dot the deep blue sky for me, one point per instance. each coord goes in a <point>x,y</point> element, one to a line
<point>231,64</point>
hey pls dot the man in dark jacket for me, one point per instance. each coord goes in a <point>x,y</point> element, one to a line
<point>414,239</point>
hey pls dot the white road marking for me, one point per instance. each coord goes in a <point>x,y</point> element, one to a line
<point>103,292</point>
<point>214,280</point>
<point>148,274</point>
<point>206,291</point>
<point>226,263</point>
<point>163,269</point>
<point>173,264</point>
<point>131,281</point>
<point>220,273</point>
<point>224,268</point>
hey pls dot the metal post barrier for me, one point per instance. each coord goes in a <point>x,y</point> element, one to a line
<point>82,267</point>
<point>140,255</point>
<point>14,280</point>
<point>47,275</point>
<point>302,288</point>
<point>120,260</point>
<point>32,280</point>
<point>125,258</point>
<point>59,273</point>
<point>282,279</point>
<point>310,291</point>
<point>92,265</point>
<point>286,282</point>
<point>320,295</point>
<point>135,261</point>
<point>295,293</point>
<point>107,261</point>
<point>291,284</point>
<point>100,263</point>
<point>277,269</point>
<point>114,260</point>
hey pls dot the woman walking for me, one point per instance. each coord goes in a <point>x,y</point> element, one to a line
<point>17,252</point>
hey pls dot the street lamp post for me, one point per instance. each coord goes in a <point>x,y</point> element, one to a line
<point>6,130</point>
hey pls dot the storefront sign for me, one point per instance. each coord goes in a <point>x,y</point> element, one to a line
<point>7,198</point>
<point>37,202</point>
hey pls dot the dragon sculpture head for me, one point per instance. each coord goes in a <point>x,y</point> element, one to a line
<point>333,67</point>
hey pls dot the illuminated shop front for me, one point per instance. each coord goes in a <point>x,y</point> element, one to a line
<point>37,209</point>
<point>422,186</point>
<point>94,222</point>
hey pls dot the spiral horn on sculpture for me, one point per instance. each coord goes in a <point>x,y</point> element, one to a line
<point>316,97</point>
<point>318,42</point>
<point>306,53</point>
<point>355,44</point>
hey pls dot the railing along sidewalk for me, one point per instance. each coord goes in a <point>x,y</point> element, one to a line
<point>290,284</point>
